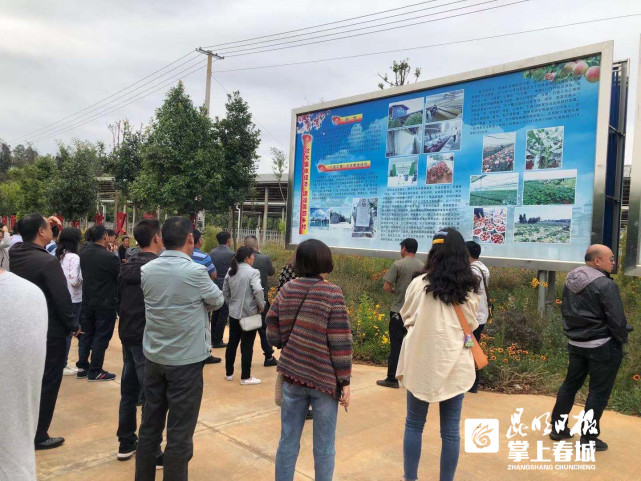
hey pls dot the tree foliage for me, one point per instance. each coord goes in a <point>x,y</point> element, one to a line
<point>34,183</point>
<point>279,162</point>
<point>75,190</point>
<point>21,155</point>
<point>180,160</point>
<point>125,160</point>
<point>5,159</point>
<point>239,139</point>
<point>402,72</point>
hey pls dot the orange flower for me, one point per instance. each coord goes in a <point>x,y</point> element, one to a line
<point>492,358</point>
<point>499,349</point>
<point>543,358</point>
<point>558,301</point>
<point>636,377</point>
<point>534,283</point>
<point>504,360</point>
<point>526,352</point>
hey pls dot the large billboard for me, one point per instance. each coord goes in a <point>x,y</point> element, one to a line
<point>512,156</point>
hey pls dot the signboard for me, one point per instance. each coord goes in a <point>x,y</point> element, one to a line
<point>512,156</point>
<point>633,244</point>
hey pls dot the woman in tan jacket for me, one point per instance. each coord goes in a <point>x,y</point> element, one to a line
<point>435,365</point>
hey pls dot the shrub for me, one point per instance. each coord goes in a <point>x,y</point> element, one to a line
<point>209,238</point>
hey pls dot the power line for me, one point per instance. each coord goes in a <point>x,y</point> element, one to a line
<point>442,44</point>
<point>309,33</point>
<point>319,25</point>
<point>382,30</point>
<point>92,106</point>
<point>126,102</point>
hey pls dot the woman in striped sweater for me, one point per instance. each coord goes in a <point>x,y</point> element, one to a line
<point>308,321</point>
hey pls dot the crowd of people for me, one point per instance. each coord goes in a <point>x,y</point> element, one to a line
<point>173,301</point>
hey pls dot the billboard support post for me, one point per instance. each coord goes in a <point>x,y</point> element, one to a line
<point>542,277</point>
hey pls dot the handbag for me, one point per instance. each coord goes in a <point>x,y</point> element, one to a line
<point>490,305</point>
<point>253,322</point>
<point>280,379</point>
<point>480,359</point>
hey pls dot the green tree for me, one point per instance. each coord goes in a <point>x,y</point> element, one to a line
<point>278,166</point>
<point>9,197</point>
<point>75,192</point>
<point>125,161</point>
<point>34,182</point>
<point>239,139</point>
<point>22,155</point>
<point>402,71</point>
<point>180,160</point>
<point>5,159</point>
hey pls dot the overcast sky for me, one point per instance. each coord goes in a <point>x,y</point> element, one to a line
<point>57,58</point>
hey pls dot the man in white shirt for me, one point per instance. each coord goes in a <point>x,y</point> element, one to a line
<point>481,271</point>
<point>23,343</point>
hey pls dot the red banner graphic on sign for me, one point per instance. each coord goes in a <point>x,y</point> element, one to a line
<point>304,189</point>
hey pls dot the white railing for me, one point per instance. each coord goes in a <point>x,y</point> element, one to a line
<point>268,236</point>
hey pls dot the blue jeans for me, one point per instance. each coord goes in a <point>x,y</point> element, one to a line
<point>450,414</point>
<point>131,385</point>
<point>296,401</point>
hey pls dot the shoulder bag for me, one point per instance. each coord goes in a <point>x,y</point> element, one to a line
<point>253,322</point>
<point>278,388</point>
<point>480,359</point>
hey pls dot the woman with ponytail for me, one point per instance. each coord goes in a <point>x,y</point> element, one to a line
<point>244,295</point>
<point>436,364</point>
<point>67,254</point>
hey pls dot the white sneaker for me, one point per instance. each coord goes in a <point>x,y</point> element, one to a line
<point>229,378</point>
<point>251,380</point>
<point>69,371</point>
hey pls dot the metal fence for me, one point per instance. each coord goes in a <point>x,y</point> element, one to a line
<point>267,236</point>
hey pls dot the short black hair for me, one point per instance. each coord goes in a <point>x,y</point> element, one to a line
<point>111,232</point>
<point>474,249</point>
<point>55,230</point>
<point>16,226</point>
<point>222,237</point>
<point>313,258</point>
<point>175,231</point>
<point>197,235</point>
<point>30,225</point>
<point>97,233</point>
<point>145,230</point>
<point>411,245</point>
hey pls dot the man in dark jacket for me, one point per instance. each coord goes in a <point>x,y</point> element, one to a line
<point>131,327</point>
<point>31,261</point>
<point>100,270</point>
<point>595,324</point>
<point>221,257</point>
<point>263,263</point>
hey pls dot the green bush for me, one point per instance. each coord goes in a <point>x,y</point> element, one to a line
<point>209,238</point>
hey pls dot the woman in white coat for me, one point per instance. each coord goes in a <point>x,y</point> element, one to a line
<point>435,365</point>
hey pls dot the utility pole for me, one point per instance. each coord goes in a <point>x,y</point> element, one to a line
<point>210,56</point>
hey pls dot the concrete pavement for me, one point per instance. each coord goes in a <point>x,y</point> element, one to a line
<point>239,427</point>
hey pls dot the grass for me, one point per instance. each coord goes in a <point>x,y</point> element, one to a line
<point>529,350</point>
<point>493,197</point>
<point>542,233</point>
<point>546,192</point>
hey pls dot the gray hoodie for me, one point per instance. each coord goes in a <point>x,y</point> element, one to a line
<point>582,277</point>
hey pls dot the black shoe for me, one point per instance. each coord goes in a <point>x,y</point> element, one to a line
<point>219,345</point>
<point>388,383</point>
<point>101,376</point>
<point>598,444</point>
<point>82,373</point>
<point>309,415</point>
<point>212,360</point>
<point>126,452</point>
<point>565,434</point>
<point>269,362</point>
<point>160,461</point>
<point>49,443</point>
<point>473,390</point>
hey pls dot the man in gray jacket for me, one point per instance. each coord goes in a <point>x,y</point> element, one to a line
<point>595,324</point>
<point>176,342</point>
<point>263,263</point>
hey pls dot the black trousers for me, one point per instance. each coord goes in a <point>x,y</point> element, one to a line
<point>268,350</point>
<point>601,364</point>
<point>98,327</point>
<point>131,385</point>
<point>55,362</point>
<point>172,393</point>
<point>218,323</point>
<point>246,341</point>
<point>477,334</point>
<point>397,332</point>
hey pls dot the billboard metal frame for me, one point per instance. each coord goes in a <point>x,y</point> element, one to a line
<point>605,49</point>
<point>632,266</point>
